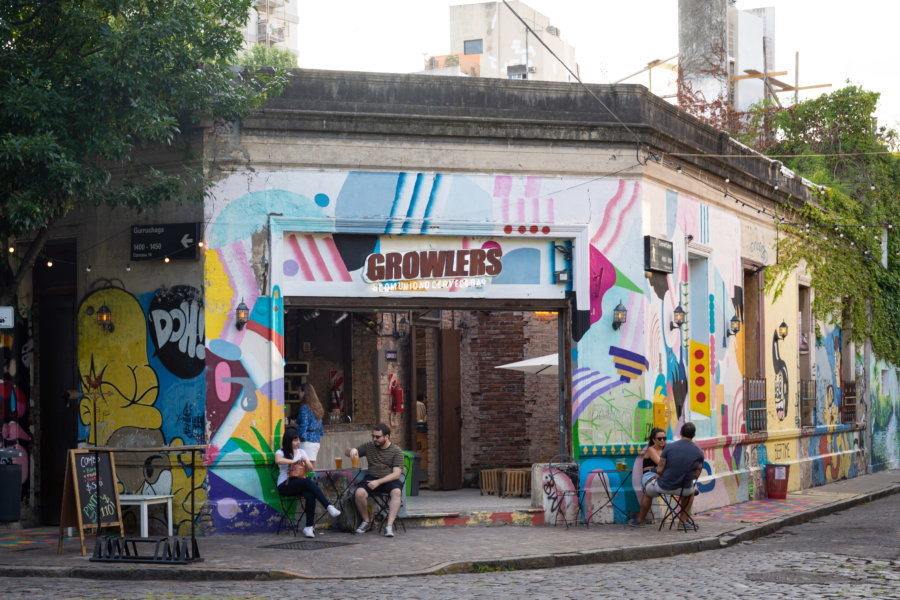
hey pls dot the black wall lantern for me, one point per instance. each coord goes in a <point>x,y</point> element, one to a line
<point>620,315</point>
<point>104,318</point>
<point>241,315</point>
<point>734,326</point>
<point>677,318</point>
<point>782,330</point>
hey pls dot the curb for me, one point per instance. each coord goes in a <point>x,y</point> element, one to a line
<point>527,562</point>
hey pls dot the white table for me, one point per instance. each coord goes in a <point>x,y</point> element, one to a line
<point>143,501</point>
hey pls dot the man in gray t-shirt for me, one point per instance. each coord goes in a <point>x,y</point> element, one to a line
<point>680,465</point>
<point>383,477</point>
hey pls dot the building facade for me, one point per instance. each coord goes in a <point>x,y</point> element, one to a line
<point>422,234</point>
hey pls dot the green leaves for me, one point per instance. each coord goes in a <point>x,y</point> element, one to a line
<point>835,141</point>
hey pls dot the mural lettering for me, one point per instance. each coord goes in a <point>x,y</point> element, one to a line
<point>177,330</point>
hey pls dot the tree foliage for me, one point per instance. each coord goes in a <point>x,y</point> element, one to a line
<point>87,84</point>
<point>835,141</point>
<point>260,55</point>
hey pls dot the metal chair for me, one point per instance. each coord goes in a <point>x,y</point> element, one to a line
<point>381,508</point>
<point>289,507</point>
<point>675,505</point>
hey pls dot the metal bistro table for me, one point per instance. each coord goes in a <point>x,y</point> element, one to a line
<point>612,493</point>
<point>340,494</point>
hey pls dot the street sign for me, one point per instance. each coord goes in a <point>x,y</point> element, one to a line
<point>7,317</point>
<point>657,255</point>
<point>177,241</point>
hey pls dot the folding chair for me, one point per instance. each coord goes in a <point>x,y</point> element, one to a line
<point>381,509</point>
<point>677,505</point>
<point>562,495</point>
<point>289,507</point>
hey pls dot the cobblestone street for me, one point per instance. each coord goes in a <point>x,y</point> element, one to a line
<point>793,563</point>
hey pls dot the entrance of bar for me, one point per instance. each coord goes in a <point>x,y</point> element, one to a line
<point>429,373</point>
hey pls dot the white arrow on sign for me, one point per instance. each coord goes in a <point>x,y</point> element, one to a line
<point>186,240</point>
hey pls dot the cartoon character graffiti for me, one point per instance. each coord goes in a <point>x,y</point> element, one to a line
<point>781,380</point>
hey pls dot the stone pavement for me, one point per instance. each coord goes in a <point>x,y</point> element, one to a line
<point>426,550</point>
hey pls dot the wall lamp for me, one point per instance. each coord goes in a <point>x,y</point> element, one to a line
<point>620,315</point>
<point>463,328</point>
<point>783,330</point>
<point>734,326</point>
<point>104,319</point>
<point>677,318</point>
<point>241,315</point>
<point>401,328</point>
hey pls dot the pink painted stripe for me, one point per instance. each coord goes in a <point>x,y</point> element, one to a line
<point>298,254</point>
<point>551,206</point>
<point>520,204</point>
<point>504,210</point>
<point>536,210</point>
<point>609,207</point>
<point>335,255</point>
<point>316,257</point>
<point>621,220</point>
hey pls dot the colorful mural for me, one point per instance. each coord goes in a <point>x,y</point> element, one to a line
<point>15,415</point>
<point>154,349</point>
<point>884,416</point>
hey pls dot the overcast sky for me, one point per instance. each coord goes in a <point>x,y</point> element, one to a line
<point>837,41</point>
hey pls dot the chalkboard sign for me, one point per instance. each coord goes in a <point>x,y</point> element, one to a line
<point>90,494</point>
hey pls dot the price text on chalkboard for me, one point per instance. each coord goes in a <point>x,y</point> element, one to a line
<point>90,494</point>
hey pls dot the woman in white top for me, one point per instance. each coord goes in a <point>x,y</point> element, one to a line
<point>293,465</point>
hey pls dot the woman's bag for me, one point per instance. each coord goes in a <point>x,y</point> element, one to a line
<point>295,470</point>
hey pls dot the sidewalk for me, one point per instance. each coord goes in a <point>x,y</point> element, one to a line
<point>426,550</point>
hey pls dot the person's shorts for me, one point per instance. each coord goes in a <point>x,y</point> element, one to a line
<point>647,477</point>
<point>311,449</point>
<point>653,490</point>
<point>384,488</point>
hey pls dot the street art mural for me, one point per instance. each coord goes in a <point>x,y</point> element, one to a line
<point>884,416</point>
<point>828,376</point>
<point>148,353</point>
<point>15,414</point>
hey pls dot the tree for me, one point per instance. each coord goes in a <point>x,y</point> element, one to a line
<point>261,55</point>
<point>86,85</point>
<point>835,142</point>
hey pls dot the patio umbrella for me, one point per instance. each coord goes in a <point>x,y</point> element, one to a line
<point>543,365</point>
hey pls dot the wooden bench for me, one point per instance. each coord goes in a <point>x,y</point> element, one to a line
<point>490,481</point>
<point>516,482</point>
<point>143,501</point>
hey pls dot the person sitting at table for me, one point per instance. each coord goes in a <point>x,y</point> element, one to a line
<point>383,477</point>
<point>656,442</point>
<point>293,465</point>
<point>676,461</point>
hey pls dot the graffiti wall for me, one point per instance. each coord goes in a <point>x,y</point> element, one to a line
<point>142,385</point>
<point>15,412</point>
<point>884,416</point>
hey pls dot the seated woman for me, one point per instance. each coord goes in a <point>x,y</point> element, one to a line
<point>655,444</point>
<point>293,464</point>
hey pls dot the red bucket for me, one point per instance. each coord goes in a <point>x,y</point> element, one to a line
<point>777,480</point>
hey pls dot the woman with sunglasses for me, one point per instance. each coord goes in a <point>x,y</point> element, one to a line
<point>293,465</point>
<point>655,444</point>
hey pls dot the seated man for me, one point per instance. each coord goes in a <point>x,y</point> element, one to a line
<point>677,461</point>
<point>385,466</point>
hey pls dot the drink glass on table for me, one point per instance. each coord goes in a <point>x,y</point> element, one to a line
<point>355,462</point>
<point>338,461</point>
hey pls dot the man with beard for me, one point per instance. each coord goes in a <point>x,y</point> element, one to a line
<point>383,477</point>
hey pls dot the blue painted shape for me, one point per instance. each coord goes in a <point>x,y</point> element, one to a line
<point>249,214</point>
<point>671,211</point>
<point>225,349</point>
<point>367,195</point>
<point>521,266</point>
<point>466,201</point>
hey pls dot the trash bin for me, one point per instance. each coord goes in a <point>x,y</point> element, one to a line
<point>10,492</point>
<point>777,480</point>
<point>412,464</point>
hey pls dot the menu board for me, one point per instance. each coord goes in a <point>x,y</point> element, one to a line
<point>90,494</point>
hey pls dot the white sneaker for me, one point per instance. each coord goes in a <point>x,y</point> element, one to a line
<point>309,532</point>
<point>388,531</point>
<point>334,512</point>
<point>363,527</point>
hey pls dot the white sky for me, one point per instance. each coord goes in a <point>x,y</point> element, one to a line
<point>836,40</point>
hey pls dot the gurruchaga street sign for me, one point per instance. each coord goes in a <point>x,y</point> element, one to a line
<point>177,241</point>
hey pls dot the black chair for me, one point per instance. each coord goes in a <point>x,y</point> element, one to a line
<point>564,468</point>
<point>290,507</point>
<point>381,509</point>
<point>674,505</point>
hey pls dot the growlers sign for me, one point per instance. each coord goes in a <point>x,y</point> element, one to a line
<point>433,264</point>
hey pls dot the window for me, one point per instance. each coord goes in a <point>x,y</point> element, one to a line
<point>473,47</point>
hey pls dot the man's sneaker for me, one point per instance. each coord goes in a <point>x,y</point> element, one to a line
<point>363,527</point>
<point>309,532</point>
<point>635,523</point>
<point>334,512</point>
<point>388,531</point>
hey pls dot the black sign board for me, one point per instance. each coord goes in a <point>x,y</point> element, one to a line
<point>90,493</point>
<point>657,255</point>
<point>177,241</point>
